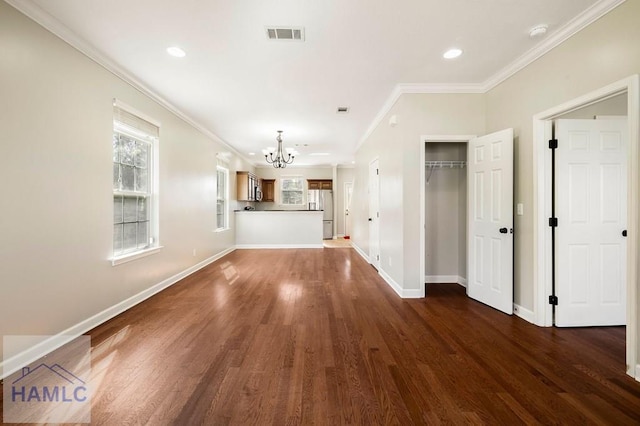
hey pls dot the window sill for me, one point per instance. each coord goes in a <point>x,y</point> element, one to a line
<point>129,257</point>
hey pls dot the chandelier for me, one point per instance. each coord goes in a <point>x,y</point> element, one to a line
<point>279,161</point>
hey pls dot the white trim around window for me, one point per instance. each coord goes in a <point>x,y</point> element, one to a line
<point>135,186</point>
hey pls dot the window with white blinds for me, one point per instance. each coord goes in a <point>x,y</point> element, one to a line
<point>135,141</point>
<point>291,190</point>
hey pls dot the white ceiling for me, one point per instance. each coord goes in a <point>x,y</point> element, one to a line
<point>242,87</point>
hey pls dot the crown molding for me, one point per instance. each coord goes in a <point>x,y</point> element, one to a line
<point>441,88</point>
<point>46,20</point>
<point>53,25</point>
<point>416,88</point>
<point>595,12</point>
<point>581,21</point>
<point>386,107</point>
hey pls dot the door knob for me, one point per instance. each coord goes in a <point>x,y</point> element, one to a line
<point>370,220</point>
<point>504,230</point>
<point>624,233</point>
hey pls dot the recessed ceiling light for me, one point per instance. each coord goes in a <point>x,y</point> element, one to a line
<point>538,31</point>
<point>452,53</point>
<point>176,51</point>
<point>252,153</point>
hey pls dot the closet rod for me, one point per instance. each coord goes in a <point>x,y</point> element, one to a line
<point>451,164</point>
<point>446,163</point>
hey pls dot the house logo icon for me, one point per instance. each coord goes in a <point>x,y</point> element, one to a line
<point>57,388</point>
<point>46,383</point>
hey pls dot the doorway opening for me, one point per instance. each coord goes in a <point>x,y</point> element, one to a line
<point>428,274</point>
<point>543,206</point>
<point>488,217</point>
<point>445,213</point>
<point>590,216</point>
<point>348,191</point>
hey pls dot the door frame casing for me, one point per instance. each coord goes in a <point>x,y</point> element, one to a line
<point>424,139</point>
<point>542,279</point>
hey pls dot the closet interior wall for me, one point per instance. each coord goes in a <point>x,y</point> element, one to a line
<point>446,214</point>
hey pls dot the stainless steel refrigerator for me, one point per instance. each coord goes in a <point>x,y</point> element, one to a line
<point>322,199</point>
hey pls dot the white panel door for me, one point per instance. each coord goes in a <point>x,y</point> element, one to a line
<point>348,191</point>
<point>490,220</point>
<point>591,207</point>
<point>374,215</point>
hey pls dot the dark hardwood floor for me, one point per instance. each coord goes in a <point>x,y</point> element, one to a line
<point>315,336</point>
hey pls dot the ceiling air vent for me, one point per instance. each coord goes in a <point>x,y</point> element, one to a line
<point>342,110</point>
<point>285,33</point>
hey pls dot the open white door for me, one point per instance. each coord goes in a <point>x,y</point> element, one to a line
<point>374,215</point>
<point>490,218</point>
<point>591,207</point>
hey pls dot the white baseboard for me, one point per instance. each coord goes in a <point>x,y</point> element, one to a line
<point>403,293</point>
<point>16,362</point>
<point>637,376</point>
<point>524,313</point>
<point>277,246</point>
<point>446,279</point>
<point>360,252</point>
<point>339,236</point>
<point>394,285</point>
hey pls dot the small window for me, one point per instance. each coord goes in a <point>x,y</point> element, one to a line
<point>291,190</point>
<point>134,207</point>
<point>222,199</point>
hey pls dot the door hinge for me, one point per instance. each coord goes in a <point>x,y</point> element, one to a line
<point>553,143</point>
<point>553,222</point>
<point>553,300</point>
<point>377,257</point>
<point>377,171</point>
<point>377,214</point>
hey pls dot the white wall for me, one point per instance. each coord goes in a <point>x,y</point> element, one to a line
<point>398,149</point>
<point>604,52</point>
<point>56,117</point>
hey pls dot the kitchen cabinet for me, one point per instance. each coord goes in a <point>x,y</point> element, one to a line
<point>320,183</point>
<point>268,190</point>
<point>247,186</point>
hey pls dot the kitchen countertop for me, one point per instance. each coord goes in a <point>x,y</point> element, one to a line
<point>262,229</point>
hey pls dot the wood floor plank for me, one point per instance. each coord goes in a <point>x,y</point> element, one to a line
<point>290,337</point>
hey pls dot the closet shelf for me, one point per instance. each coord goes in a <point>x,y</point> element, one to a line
<point>443,164</point>
<point>446,164</point>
